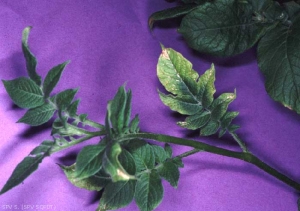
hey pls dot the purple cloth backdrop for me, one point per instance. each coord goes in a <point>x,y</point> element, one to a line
<point>108,43</point>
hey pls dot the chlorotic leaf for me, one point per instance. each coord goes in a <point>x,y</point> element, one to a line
<point>52,78</point>
<point>149,191</point>
<point>89,161</point>
<point>192,95</point>
<point>30,58</point>
<point>170,13</point>
<point>95,182</point>
<point>117,195</point>
<point>64,98</point>
<point>24,92</point>
<point>39,115</point>
<point>27,166</point>
<point>112,165</point>
<point>278,59</point>
<point>169,171</point>
<point>222,28</point>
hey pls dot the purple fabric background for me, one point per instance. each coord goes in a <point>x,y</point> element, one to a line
<point>108,43</point>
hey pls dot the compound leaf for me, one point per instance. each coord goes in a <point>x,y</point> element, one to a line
<point>24,92</point>
<point>193,95</point>
<point>52,78</point>
<point>30,58</point>
<point>149,191</point>
<point>278,59</point>
<point>39,115</point>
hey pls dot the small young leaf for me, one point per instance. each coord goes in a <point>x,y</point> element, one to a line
<point>149,191</point>
<point>72,109</point>
<point>27,166</point>
<point>134,124</point>
<point>278,59</point>
<point>168,150</point>
<point>95,182</point>
<point>170,13</point>
<point>82,117</point>
<point>89,161</point>
<point>64,98</point>
<point>117,195</point>
<point>222,28</point>
<point>178,162</point>
<point>30,58</point>
<point>52,78</point>
<point>39,115</point>
<point>112,165</point>
<point>169,171</point>
<point>160,154</point>
<point>24,92</point>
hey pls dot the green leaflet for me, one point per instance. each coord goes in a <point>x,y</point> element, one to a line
<point>134,125</point>
<point>160,154</point>
<point>168,150</point>
<point>292,8</point>
<point>278,59</point>
<point>222,28</point>
<point>170,13</point>
<point>28,165</point>
<point>39,115</point>
<point>72,108</point>
<point>149,191</point>
<point>52,78</point>
<point>143,155</point>
<point>24,92</point>
<point>29,57</point>
<point>64,98</point>
<point>117,195</point>
<point>169,171</point>
<point>112,165</point>
<point>193,95</point>
<point>89,161</point>
<point>95,182</point>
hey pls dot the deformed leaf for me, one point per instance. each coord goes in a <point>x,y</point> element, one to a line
<point>117,195</point>
<point>72,108</point>
<point>27,166</point>
<point>143,155</point>
<point>52,78</point>
<point>220,105</point>
<point>222,28</point>
<point>196,121</point>
<point>170,13</point>
<point>168,150</point>
<point>24,92</point>
<point>134,124</point>
<point>112,165</point>
<point>160,154</point>
<point>169,171</point>
<point>278,59</point>
<point>178,162</point>
<point>30,58</point>
<point>39,115</point>
<point>149,191</point>
<point>95,182</point>
<point>210,129</point>
<point>89,161</point>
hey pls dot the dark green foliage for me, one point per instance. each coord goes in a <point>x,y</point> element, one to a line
<point>193,95</point>
<point>64,98</point>
<point>28,165</point>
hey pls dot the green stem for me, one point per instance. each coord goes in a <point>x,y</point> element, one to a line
<point>239,141</point>
<point>245,156</point>
<point>58,148</point>
<point>188,153</point>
